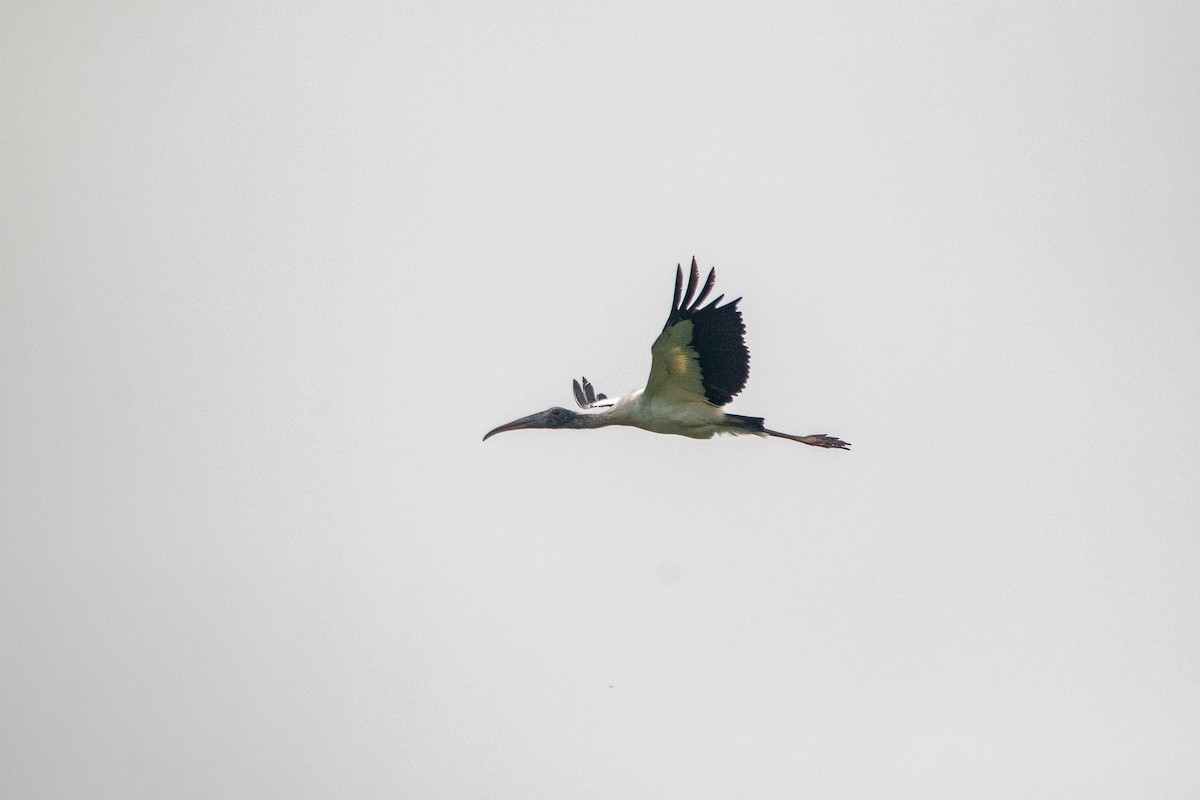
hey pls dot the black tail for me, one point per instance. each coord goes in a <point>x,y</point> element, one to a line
<point>752,424</point>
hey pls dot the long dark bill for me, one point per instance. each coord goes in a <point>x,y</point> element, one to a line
<point>517,424</point>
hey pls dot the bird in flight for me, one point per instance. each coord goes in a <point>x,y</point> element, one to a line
<point>698,364</point>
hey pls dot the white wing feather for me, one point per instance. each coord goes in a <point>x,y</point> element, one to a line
<point>675,367</point>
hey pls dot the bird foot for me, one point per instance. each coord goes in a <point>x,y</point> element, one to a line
<point>824,440</point>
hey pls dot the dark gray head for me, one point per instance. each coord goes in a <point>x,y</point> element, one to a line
<point>550,418</point>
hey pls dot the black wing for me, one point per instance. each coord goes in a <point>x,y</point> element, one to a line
<point>586,397</point>
<point>718,337</point>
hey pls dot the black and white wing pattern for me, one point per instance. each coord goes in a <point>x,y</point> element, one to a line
<point>701,353</point>
<point>586,397</point>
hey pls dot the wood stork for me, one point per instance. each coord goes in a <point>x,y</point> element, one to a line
<point>698,363</point>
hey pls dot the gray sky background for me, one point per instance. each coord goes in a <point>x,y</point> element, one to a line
<point>268,274</point>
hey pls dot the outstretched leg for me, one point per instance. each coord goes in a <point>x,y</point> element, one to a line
<point>816,440</point>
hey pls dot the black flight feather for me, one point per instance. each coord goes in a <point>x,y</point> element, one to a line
<point>718,336</point>
<point>585,395</point>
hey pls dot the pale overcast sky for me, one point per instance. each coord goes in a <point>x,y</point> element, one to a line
<point>269,272</point>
